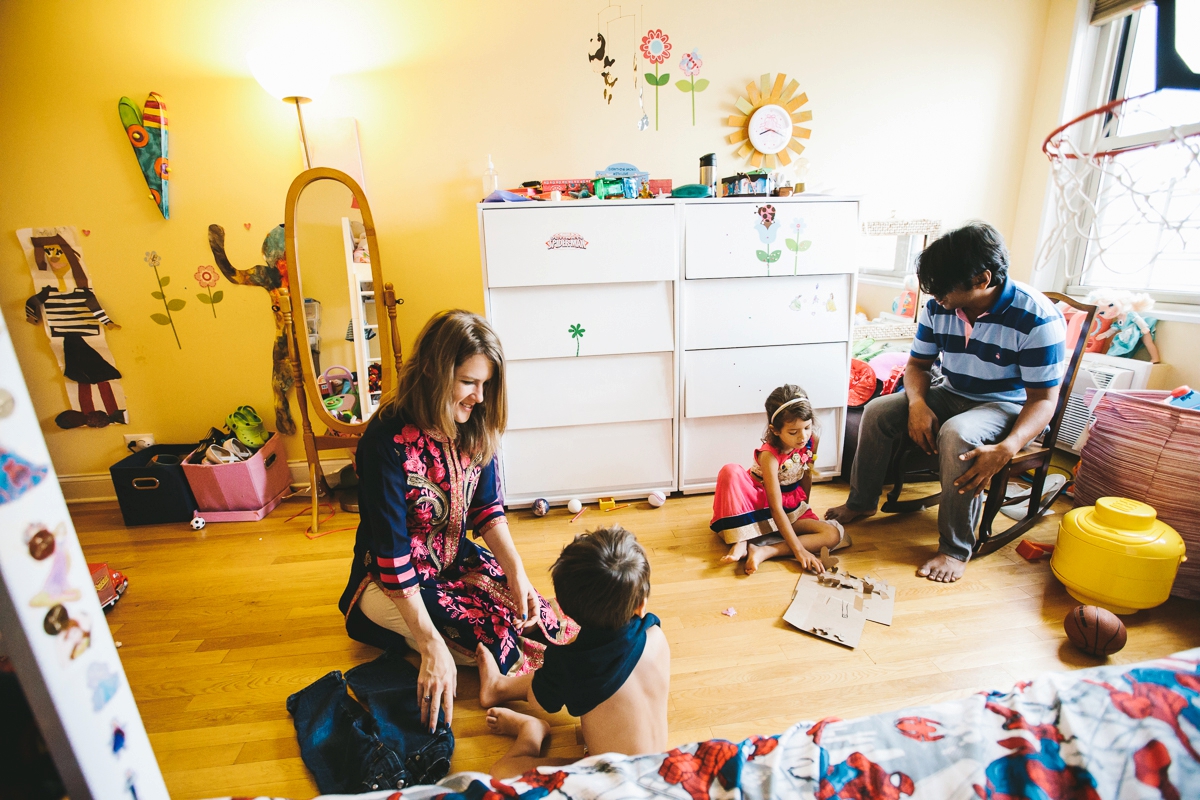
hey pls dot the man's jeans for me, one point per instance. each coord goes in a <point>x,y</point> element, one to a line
<point>965,425</point>
<point>349,750</point>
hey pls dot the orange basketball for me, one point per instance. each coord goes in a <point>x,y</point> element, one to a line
<point>1094,630</point>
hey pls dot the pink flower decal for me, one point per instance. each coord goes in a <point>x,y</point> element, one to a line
<point>206,276</point>
<point>691,63</point>
<point>656,46</point>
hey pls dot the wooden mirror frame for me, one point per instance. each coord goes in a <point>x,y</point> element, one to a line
<point>345,435</point>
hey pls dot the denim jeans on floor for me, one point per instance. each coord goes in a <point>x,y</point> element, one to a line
<point>349,750</point>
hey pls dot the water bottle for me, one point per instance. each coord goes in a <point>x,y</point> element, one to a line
<point>1185,397</point>
<point>491,181</point>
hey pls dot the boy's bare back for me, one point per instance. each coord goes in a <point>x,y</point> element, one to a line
<point>634,720</point>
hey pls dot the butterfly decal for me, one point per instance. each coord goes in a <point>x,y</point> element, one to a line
<point>147,132</point>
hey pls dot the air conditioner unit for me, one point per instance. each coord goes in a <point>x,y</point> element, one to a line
<point>1097,372</point>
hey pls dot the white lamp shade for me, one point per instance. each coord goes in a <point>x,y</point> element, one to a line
<point>290,69</point>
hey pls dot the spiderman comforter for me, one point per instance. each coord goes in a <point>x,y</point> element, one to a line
<point>1109,732</point>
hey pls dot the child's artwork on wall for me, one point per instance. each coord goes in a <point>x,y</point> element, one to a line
<point>690,64</point>
<point>271,276</point>
<point>656,48</point>
<point>147,132</point>
<point>577,331</point>
<point>155,261</point>
<point>74,320</point>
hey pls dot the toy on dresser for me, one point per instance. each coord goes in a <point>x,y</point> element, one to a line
<point>1120,327</point>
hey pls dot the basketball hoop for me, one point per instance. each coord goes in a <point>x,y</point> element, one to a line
<point>1121,199</point>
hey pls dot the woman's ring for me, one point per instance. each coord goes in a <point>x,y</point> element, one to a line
<point>428,697</point>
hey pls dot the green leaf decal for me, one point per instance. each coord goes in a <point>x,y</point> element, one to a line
<point>661,80</point>
<point>161,319</point>
<point>203,298</point>
<point>164,280</point>
<point>775,254</point>
<point>218,296</point>
<point>701,84</point>
<point>683,86</point>
<point>791,245</point>
<point>157,295</point>
<point>176,304</point>
<point>762,255</point>
<point>805,245</point>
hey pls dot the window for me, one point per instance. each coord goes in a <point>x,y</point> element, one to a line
<point>890,247</point>
<point>1142,205</point>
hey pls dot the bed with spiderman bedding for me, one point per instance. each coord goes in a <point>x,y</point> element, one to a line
<point>1128,731</point>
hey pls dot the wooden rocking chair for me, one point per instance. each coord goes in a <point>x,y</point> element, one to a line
<point>1035,456</point>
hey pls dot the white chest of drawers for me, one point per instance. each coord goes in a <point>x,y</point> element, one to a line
<point>642,337</point>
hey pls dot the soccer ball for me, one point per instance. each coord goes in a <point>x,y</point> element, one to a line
<point>198,523</point>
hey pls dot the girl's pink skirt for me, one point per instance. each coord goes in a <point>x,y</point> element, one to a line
<point>740,509</point>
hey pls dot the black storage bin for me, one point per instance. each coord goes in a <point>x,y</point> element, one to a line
<point>153,493</point>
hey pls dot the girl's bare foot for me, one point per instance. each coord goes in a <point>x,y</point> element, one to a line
<point>755,555</point>
<point>489,678</point>
<point>528,731</point>
<point>943,569</point>
<point>735,554</point>
<point>846,515</point>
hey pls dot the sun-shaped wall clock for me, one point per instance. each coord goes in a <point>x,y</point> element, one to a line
<point>769,125</point>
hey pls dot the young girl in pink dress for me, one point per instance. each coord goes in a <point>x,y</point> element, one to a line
<point>763,512</point>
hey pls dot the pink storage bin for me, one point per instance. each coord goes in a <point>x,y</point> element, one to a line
<point>245,491</point>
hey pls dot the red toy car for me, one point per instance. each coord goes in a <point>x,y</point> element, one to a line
<point>110,584</point>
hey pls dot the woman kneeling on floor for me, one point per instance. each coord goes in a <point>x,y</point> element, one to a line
<point>427,472</point>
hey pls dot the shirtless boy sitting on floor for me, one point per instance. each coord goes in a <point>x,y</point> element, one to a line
<point>614,675</point>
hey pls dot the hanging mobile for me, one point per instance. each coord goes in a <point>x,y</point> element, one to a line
<point>644,122</point>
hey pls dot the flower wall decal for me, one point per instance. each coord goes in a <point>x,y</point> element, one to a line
<point>767,230</point>
<point>656,48</point>
<point>155,261</point>
<point>795,243</point>
<point>690,64</point>
<point>207,277</point>
<point>577,331</point>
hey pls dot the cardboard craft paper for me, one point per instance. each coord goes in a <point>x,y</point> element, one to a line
<point>831,612</point>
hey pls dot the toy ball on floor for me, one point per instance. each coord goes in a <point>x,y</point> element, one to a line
<point>574,506</point>
<point>656,499</point>
<point>198,523</point>
<point>1094,630</point>
<point>540,508</point>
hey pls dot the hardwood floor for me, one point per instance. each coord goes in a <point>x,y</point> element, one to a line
<point>220,626</point>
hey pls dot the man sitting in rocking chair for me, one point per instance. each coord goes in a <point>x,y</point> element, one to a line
<point>1003,353</point>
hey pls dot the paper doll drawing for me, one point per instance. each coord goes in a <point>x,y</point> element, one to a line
<point>72,315</point>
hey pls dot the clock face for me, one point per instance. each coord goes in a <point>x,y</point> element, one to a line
<point>770,129</point>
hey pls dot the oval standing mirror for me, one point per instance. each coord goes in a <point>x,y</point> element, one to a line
<point>343,316</point>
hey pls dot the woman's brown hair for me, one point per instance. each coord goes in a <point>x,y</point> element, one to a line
<point>425,390</point>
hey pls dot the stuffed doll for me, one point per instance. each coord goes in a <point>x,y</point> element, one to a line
<point>1120,323</point>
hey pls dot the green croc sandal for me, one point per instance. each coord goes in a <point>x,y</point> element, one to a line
<point>249,434</point>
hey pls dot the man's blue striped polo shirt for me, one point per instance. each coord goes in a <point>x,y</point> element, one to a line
<point>1018,343</point>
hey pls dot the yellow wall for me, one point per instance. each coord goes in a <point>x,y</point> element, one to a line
<point>928,108</point>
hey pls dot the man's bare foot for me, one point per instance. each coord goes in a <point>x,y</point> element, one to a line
<point>943,569</point>
<point>735,554</point>
<point>846,516</point>
<point>755,555</point>
<point>489,677</point>
<point>522,727</point>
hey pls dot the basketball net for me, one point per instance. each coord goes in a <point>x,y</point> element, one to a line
<point>1121,203</point>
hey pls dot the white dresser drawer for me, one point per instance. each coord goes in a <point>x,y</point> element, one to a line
<point>724,382</point>
<point>726,240</point>
<point>586,461</point>
<point>538,321</point>
<point>564,244</point>
<point>710,443</point>
<point>742,312</point>
<point>546,393</point>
